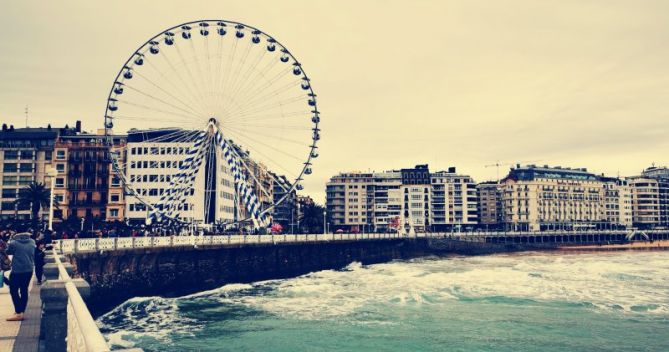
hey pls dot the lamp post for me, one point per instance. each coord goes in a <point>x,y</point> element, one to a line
<point>51,172</point>
<point>325,229</point>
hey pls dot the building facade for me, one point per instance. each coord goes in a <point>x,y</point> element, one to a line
<point>407,200</point>
<point>544,198</point>
<point>491,212</point>
<point>25,155</point>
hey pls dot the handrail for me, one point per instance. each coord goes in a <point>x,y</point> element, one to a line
<point>119,243</point>
<point>93,338</point>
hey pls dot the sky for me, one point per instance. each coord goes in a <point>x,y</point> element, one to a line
<point>400,83</point>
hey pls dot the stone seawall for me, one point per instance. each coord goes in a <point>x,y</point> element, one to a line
<point>115,276</point>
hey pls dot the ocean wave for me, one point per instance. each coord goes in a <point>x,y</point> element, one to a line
<point>619,283</point>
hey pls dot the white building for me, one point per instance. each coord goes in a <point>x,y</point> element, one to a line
<point>150,167</point>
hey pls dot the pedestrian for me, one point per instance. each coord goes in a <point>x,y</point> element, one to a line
<point>22,247</point>
<point>5,263</point>
<point>39,261</point>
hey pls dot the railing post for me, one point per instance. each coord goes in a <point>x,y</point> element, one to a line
<point>54,315</point>
<point>76,245</point>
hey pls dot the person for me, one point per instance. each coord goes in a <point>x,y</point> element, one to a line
<point>22,247</point>
<point>39,261</point>
<point>5,263</point>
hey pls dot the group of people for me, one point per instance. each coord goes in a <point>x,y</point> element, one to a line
<point>21,254</point>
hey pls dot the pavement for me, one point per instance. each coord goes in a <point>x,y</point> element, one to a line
<point>20,336</point>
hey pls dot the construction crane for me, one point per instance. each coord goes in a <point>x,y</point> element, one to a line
<point>498,164</point>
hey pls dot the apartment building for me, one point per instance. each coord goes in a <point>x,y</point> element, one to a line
<point>454,201</point>
<point>491,212</point>
<point>25,155</point>
<point>154,158</point>
<point>408,200</point>
<point>86,185</point>
<point>650,198</point>
<point>544,198</point>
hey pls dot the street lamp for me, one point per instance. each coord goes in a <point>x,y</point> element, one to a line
<point>325,229</point>
<point>51,172</point>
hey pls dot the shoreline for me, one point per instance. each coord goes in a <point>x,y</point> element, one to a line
<point>632,246</point>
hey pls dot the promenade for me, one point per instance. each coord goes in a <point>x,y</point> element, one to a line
<point>20,336</point>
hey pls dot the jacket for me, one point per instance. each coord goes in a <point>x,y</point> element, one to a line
<point>22,247</point>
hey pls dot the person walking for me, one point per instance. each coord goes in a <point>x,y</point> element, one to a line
<point>22,247</point>
<point>5,263</point>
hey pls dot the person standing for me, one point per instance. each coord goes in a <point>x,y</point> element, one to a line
<point>40,254</point>
<point>22,247</point>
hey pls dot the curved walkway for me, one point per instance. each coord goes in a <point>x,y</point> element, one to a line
<point>20,336</point>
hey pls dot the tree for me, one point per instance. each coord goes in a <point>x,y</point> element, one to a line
<point>311,218</point>
<point>34,196</point>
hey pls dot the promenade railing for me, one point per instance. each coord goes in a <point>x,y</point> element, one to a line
<point>119,243</point>
<point>82,333</point>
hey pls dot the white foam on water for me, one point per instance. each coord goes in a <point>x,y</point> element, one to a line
<point>628,282</point>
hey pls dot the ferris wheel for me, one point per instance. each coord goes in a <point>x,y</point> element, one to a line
<point>222,125</point>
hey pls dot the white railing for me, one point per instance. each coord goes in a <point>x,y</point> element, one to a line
<point>105,244</point>
<point>82,332</point>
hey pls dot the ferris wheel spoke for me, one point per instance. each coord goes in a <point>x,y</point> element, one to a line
<point>275,104</point>
<point>164,91</point>
<point>190,92</point>
<point>269,93</point>
<point>252,94</point>
<point>198,69</point>
<point>162,101</point>
<point>145,107</point>
<point>238,133</point>
<point>190,74</point>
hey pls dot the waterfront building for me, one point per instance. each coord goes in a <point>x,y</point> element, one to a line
<point>650,198</point>
<point>153,158</point>
<point>285,212</point>
<point>491,212</point>
<point>454,201</point>
<point>408,200</point>
<point>25,155</point>
<point>86,186</point>
<point>544,198</point>
<point>661,174</point>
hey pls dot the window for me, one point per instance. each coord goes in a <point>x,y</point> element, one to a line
<point>27,154</point>
<point>60,182</point>
<point>60,154</point>
<point>9,180</point>
<point>11,167</point>
<point>60,167</point>
<point>48,155</point>
<point>115,198</point>
<point>58,197</point>
<point>7,205</point>
<point>9,193</point>
<point>113,213</point>
<point>11,154</point>
<point>25,180</point>
<point>116,182</point>
<point>24,167</point>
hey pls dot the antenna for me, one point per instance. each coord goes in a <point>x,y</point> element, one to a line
<point>26,116</point>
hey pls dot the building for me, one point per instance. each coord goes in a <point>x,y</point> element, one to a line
<point>491,212</point>
<point>25,155</point>
<point>650,198</point>
<point>153,158</point>
<point>546,198</point>
<point>407,200</point>
<point>284,213</point>
<point>86,185</point>
<point>454,201</point>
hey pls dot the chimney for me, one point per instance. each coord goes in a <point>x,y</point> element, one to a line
<point>451,169</point>
<point>78,126</point>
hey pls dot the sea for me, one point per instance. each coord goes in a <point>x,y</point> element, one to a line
<point>536,301</point>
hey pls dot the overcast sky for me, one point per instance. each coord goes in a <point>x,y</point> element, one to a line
<point>449,83</point>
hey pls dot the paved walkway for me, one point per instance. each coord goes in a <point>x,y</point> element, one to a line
<point>20,336</point>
